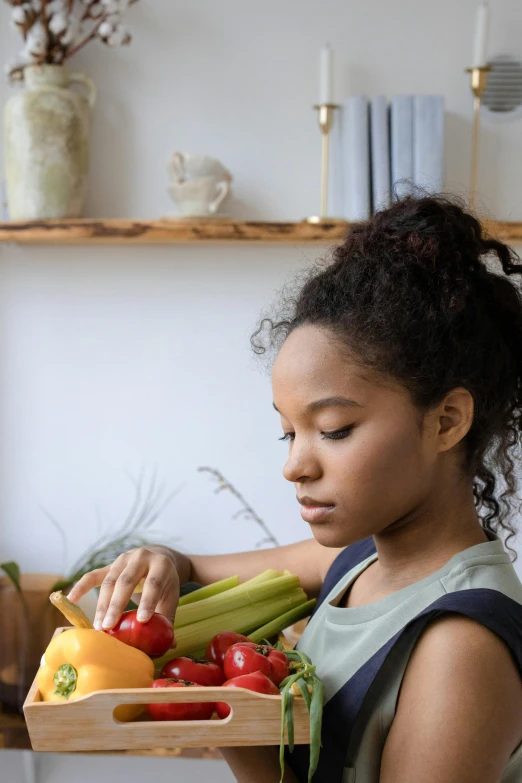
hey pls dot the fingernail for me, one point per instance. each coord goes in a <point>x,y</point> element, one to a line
<point>143,615</point>
<point>108,621</point>
<point>98,624</point>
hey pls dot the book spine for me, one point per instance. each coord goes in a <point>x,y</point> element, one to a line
<point>356,158</point>
<point>380,153</point>
<point>428,142</point>
<point>401,129</point>
<point>336,184</point>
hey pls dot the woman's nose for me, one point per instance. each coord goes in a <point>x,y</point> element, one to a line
<point>301,465</point>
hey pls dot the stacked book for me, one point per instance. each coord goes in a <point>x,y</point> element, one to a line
<point>384,150</point>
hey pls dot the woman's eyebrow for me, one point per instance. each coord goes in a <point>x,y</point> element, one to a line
<point>329,402</point>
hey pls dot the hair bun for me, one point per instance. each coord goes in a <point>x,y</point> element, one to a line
<point>434,232</point>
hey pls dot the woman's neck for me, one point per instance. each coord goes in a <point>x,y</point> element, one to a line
<point>417,546</point>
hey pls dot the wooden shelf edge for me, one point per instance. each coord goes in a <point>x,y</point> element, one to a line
<point>122,232</point>
<point>171,232</point>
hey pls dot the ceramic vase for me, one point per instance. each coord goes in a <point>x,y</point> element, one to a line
<point>47,144</point>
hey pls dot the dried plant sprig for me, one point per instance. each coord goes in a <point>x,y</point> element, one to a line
<point>135,531</point>
<point>55,30</point>
<point>246,511</point>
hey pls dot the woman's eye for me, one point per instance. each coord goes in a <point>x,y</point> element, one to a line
<point>335,435</point>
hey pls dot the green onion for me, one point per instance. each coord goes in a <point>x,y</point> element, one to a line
<point>316,719</point>
<point>289,718</point>
<point>303,687</point>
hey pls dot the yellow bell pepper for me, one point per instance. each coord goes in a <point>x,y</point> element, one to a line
<point>80,660</point>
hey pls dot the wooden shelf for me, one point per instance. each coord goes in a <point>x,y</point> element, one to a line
<point>167,232</point>
<point>172,232</point>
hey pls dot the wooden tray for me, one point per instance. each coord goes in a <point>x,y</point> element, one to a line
<point>88,724</point>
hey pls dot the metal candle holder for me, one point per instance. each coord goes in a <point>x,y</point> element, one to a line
<point>479,80</point>
<point>326,118</point>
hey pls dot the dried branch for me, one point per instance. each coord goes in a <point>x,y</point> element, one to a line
<point>90,37</point>
<point>246,511</point>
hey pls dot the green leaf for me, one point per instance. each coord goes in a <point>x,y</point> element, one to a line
<point>62,584</point>
<point>12,571</point>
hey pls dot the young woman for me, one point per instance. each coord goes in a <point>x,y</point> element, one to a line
<point>398,380</point>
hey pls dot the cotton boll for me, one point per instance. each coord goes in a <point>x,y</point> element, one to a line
<point>111,6</point>
<point>18,16</point>
<point>36,5</point>
<point>30,54</point>
<point>14,70</point>
<point>37,41</point>
<point>58,24</point>
<point>120,37</point>
<point>55,7</point>
<point>106,29</point>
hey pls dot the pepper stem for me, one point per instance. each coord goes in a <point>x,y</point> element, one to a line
<point>65,680</point>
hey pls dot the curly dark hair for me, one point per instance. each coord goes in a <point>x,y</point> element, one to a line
<point>412,293</point>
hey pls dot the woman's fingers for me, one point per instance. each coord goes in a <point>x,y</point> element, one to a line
<point>87,582</point>
<point>161,590</point>
<point>118,581</point>
<point>117,589</point>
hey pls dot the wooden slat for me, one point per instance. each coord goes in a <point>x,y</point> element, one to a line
<point>118,232</point>
<point>172,232</point>
<point>503,230</point>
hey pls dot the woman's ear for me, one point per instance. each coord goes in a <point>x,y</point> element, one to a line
<point>453,418</point>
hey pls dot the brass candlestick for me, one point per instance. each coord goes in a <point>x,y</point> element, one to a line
<point>479,80</point>
<point>326,118</point>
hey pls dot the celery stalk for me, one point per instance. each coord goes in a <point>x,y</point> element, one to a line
<point>209,590</point>
<point>242,620</point>
<point>270,573</point>
<point>284,621</point>
<point>234,599</point>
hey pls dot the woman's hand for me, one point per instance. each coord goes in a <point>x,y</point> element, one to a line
<point>159,567</point>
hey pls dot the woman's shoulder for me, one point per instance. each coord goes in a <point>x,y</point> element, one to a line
<point>461,691</point>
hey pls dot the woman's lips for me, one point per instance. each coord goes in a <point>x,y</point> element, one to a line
<point>315,513</point>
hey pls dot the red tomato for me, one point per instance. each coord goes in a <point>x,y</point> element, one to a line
<point>218,646</point>
<point>177,710</point>
<point>154,637</point>
<point>195,670</point>
<point>257,681</point>
<point>245,658</point>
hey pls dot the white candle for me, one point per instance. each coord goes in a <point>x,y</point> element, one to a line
<point>326,75</point>
<point>481,37</point>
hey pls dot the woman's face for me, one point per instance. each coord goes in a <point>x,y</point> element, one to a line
<point>357,446</point>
